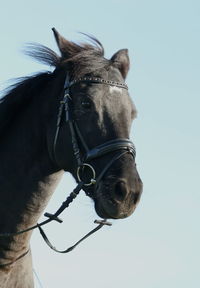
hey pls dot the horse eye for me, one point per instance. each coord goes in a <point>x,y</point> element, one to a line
<point>86,104</point>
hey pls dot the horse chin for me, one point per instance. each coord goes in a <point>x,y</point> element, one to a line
<point>108,208</point>
<point>109,211</point>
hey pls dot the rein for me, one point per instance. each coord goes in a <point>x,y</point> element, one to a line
<point>82,159</point>
<point>54,217</point>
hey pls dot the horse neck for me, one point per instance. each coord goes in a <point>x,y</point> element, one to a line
<point>27,181</point>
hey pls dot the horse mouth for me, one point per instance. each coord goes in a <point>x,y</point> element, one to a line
<point>108,210</point>
<point>118,206</point>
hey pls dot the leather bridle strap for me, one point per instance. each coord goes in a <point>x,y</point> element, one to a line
<point>74,129</point>
<point>109,164</point>
<point>54,217</point>
<point>96,80</point>
<point>12,262</point>
<point>110,146</point>
<point>101,224</point>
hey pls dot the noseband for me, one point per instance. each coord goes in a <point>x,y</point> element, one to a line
<point>122,145</point>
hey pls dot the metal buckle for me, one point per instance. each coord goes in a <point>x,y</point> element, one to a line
<point>92,180</point>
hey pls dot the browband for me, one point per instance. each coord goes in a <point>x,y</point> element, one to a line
<point>95,80</point>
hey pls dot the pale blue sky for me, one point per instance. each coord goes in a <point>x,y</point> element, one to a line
<point>157,247</point>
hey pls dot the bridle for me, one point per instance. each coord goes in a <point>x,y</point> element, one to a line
<point>120,144</point>
<point>83,158</point>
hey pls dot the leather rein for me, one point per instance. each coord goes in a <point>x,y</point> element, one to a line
<point>122,145</point>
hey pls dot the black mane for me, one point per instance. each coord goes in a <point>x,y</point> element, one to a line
<point>81,59</point>
<point>19,95</point>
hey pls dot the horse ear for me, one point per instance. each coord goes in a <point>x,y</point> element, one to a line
<point>121,61</point>
<point>67,48</point>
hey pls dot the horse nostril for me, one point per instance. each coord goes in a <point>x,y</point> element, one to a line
<point>121,190</point>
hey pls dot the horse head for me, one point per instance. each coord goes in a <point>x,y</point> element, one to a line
<point>101,113</point>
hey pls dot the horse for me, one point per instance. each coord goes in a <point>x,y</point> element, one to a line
<point>75,118</point>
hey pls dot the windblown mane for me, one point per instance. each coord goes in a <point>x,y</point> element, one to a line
<point>78,60</point>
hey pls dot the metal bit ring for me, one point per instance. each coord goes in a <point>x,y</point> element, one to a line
<point>92,180</point>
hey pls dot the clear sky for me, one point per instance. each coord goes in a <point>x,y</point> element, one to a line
<point>158,246</point>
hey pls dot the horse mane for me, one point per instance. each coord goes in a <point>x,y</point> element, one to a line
<point>19,95</point>
<point>80,59</point>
